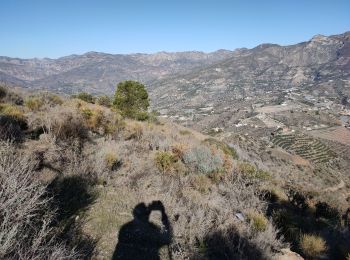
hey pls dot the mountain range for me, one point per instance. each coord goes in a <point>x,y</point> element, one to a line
<point>320,64</point>
<point>100,72</point>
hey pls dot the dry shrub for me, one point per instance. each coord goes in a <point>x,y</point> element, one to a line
<point>7,95</point>
<point>26,218</point>
<point>312,245</point>
<point>134,131</point>
<point>111,160</point>
<point>34,103</point>
<point>65,123</point>
<point>276,194</point>
<point>237,242</point>
<point>155,137</point>
<point>42,101</point>
<point>101,120</point>
<point>113,124</point>
<point>3,92</point>
<point>10,129</point>
<point>104,101</point>
<point>52,99</point>
<point>179,150</point>
<point>12,123</point>
<point>93,118</point>
<point>201,183</point>
<point>105,156</point>
<point>185,132</point>
<point>196,216</point>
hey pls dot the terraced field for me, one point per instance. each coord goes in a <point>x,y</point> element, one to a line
<point>307,147</point>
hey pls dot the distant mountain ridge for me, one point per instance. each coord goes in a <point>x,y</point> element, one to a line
<point>203,77</point>
<point>320,65</point>
<point>100,72</point>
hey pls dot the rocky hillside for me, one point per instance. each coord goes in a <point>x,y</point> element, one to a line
<point>100,72</point>
<point>188,80</point>
<point>321,64</point>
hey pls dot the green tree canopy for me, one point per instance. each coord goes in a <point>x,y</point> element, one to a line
<point>131,99</point>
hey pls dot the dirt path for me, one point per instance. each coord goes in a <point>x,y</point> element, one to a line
<point>336,187</point>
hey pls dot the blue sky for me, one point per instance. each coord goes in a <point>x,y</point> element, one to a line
<point>54,28</point>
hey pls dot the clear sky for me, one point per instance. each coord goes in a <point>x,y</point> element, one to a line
<point>54,28</point>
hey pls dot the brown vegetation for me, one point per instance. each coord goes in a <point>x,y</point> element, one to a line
<point>87,168</point>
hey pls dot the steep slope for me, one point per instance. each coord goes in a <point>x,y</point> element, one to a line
<point>207,199</point>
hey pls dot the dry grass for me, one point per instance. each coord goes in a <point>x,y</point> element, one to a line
<point>258,221</point>
<point>34,103</point>
<point>12,111</point>
<point>312,245</point>
<point>201,183</point>
<point>87,144</point>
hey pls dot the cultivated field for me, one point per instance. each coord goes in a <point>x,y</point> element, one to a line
<point>305,146</point>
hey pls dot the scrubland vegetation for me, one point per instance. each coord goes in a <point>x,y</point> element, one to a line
<point>73,169</point>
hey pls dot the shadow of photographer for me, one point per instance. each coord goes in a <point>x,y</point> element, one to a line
<point>142,239</point>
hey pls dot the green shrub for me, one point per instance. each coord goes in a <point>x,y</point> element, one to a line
<point>250,171</point>
<point>85,97</point>
<point>312,245</point>
<point>131,99</point>
<point>165,161</point>
<point>141,116</point>
<point>246,169</point>
<point>228,150</point>
<point>263,175</point>
<point>203,160</point>
<point>87,113</point>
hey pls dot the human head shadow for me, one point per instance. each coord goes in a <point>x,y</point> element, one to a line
<point>142,239</point>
